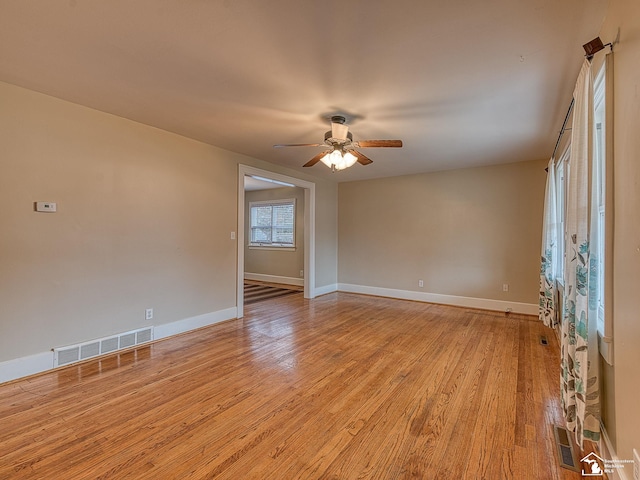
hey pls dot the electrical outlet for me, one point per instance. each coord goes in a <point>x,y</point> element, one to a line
<point>420,283</point>
<point>148,314</point>
<point>302,273</point>
<point>505,287</point>
<point>636,465</point>
<point>233,235</point>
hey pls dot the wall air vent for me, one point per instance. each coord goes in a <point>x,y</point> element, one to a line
<point>89,350</point>
<point>109,345</point>
<point>143,335</point>
<point>127,340</point>
<point>68,355</point>
<point>94,348</point>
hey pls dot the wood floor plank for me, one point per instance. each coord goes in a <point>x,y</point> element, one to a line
<point>342,386</point>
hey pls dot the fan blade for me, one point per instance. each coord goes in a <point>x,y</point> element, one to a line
<point>300,145</point>
<point>362,159</point>
<point>378,143</point>
<point>315,159</point>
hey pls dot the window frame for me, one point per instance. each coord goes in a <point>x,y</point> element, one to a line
<point>282,246</point>
<point>603,92</point>
<point>600,152</point>
<point>562,176</point>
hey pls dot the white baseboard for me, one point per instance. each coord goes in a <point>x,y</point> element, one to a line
<point>25,366</point>
<point>41,362</point>
<point>274,279</point>
<point>469,302</point>
<point>199,321</point>
<point>333,287</point>
<point>608,452</point>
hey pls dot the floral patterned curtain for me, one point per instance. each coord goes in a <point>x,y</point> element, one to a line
<point>579,345</point>
<point>548,291</point>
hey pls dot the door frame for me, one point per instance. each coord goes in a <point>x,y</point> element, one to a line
<point>309,230</point>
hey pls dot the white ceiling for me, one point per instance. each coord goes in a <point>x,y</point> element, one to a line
<point>462,83</point>
<point>252,184</point>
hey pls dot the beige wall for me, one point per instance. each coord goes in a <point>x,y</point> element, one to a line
<point>283,263</point>
<point>464,232</point>
<point>144,220</point>
<point>622,382</point>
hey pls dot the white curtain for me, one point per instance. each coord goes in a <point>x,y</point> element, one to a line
<point>548,291</point>
<point>579,377</point>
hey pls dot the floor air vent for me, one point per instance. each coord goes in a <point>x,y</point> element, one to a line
<point>94,348</point>
<point>566,454</point>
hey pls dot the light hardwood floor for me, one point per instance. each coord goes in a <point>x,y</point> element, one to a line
<point>341,387</point>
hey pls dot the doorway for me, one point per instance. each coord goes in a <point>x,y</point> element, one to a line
<point>309,228</point>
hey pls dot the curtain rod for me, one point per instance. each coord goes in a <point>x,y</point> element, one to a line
<point>591,48</point>
<point>564,128</point>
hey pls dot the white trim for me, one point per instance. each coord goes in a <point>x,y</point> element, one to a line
<point>327,289</point>
<point>309,239</point>
<point>608,452</point>
<point>470,302</point>
<point>309,230</point>
<point>261,277</point>
<point>25,366</point>
<point>605,346</point>
<point>191,323</point>
<point>42,362</point>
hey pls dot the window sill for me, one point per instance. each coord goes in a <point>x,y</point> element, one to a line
<point>605,346</point>
<point>271,247</point>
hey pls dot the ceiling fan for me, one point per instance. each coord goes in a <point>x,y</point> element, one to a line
<point>341,153</point>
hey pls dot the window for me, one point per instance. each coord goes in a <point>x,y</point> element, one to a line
<point>599,152</point>
<point>272,223</point>
<point>562,168</point>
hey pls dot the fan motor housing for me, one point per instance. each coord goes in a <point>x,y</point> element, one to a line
<point>329,140</point>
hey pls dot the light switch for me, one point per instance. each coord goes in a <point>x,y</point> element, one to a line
<point>49,207</point>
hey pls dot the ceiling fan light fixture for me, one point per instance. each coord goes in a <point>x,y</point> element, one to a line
<point>332,159</point>
<point>341,151</point>
<point>349,159</point>
<point>337,160</point>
